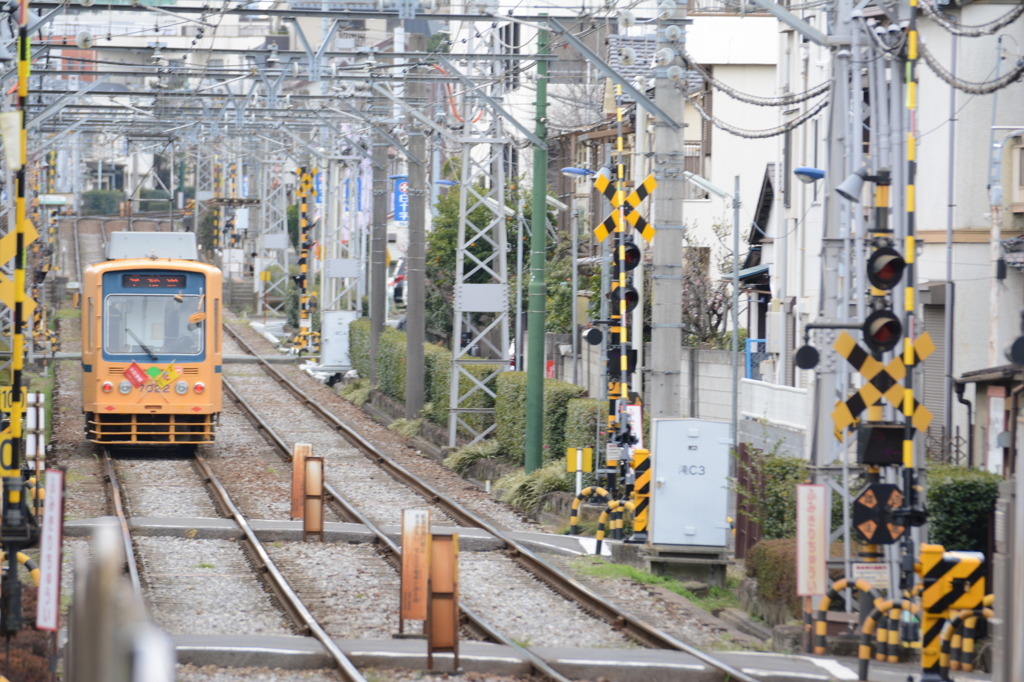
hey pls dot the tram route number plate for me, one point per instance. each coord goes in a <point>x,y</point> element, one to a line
<point>6,395</point>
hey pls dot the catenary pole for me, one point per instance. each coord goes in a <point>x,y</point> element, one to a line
<point>415,327</point>
<point>378,245</point>
<point>537,292</point>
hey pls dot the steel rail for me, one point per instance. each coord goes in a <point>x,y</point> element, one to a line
<point>553,577</point>
<point>126,536</point>
<point>354,515</point>
<point>277,580</point>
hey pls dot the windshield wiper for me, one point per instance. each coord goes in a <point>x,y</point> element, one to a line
<point>144,346</point>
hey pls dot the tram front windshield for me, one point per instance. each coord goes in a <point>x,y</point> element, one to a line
<point>152,324</point>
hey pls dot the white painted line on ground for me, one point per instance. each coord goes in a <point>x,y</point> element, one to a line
<point>777,673</point>
<point>834,668</point>
<point>590,546</point>
<point>631,664</point>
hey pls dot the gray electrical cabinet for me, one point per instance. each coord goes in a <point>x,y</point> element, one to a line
<point>334,339</point>
<point>690,495</point>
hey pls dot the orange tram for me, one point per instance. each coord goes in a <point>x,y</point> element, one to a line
<point>151,342</point>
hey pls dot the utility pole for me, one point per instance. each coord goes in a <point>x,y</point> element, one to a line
<point>537,293</point>
<point>666,312</point>
<point>378,244</point>
<point>415,327</point>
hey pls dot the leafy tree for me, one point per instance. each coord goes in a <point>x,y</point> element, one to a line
<point>706,302</point>
<point>293,225</point>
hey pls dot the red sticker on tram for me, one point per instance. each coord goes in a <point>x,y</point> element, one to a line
<point>135,375</point>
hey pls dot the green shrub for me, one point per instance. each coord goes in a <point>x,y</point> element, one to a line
<point>437,373</point>
<point>557,396</point>
<point>511,414</point>
<point>463,459</point>
<point>359,346</point>
<point>150,206</point>
<point>524,491</point>
<point>772,504</point>
<point>357,392</point>
<point>773,563</point>
<point>102,202</point>
<point>582,419</point>
<point>960,505</point>
<point>511,409</point>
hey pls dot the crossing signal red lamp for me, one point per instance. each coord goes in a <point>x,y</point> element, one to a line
<point>629,293</point>
<point>882,331</point>
<point>885,268</point>
<point>631,256</point>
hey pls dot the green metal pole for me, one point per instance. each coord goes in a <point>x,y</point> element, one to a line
<point>537,301</point>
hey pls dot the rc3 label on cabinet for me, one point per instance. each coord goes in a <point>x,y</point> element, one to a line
<point>690,497</point>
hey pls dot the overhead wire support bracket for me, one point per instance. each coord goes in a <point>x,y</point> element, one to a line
<point>358,147</point>
<point>60,103</point>
<point>387,136</point>
<point>641,99</point>
<point>415,113</point>
<point>465,80</point>
<point>801,26</point>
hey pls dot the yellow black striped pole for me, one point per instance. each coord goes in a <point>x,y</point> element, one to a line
<point>216,209</point>
<point>233,242</point>
<point>909,251</point>
<point>642,487</point>
<point>305,182</point>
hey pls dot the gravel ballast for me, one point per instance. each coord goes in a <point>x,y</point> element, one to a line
<point>526,610</point>
<point>205,587</point>
<point>349,589</point>
<point>377,495</point>
<point>158,486</point>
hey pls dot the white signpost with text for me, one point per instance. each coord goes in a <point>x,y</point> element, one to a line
<point>812,515</point>
<point>48,602</point>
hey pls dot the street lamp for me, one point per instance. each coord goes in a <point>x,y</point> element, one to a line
<point>577,173</point>
<point>709,186</point>
<point>809,174</point>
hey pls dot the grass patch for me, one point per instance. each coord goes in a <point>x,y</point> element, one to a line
<point>69,314</point>
<point>356,392</point>
<point>463,459</point>
<point>718,598</point>
<point>44,384</point>
<point>406,427</point>
<point>203,564</point>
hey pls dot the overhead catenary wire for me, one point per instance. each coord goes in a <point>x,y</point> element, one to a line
<point>784,100</point>
<point>972,31</point>
<point>974,88</point>
<point>758,134</point>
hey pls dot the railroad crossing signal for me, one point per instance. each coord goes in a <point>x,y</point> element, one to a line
<point>872,513</point>
<point>881,382</point>
<point>629,205</point>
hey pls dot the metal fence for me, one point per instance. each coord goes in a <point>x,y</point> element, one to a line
<point>757,352</point>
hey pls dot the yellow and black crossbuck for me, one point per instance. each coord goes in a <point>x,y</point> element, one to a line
<point>882,381</point>
<point>629,206</point>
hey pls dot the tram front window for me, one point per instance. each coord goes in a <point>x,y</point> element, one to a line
<point>152,324</point>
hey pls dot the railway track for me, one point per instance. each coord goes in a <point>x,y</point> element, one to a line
<point>555,579</point>
<point>300,616</point>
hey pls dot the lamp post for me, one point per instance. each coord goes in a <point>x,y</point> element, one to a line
<point>575,173</point>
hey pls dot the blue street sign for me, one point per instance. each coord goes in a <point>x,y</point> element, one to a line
<point>359,193</point>
<point>318,187</point>
<point>245,185</point>
<point>401,209</point>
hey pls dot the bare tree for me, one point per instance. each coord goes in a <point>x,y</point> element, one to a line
<point>706,302</point>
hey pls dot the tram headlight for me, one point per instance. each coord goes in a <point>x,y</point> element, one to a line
<point>199,387</point>
<point>107,387</point>
<point>125,387</point>
<point>181,388</point>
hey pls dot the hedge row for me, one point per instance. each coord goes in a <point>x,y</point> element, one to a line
<point>568,419</point>
<point>511,410</point>
<point>437,373</point>
<point>960,506</point>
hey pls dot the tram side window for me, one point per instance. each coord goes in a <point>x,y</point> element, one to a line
<point>152,324</point>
